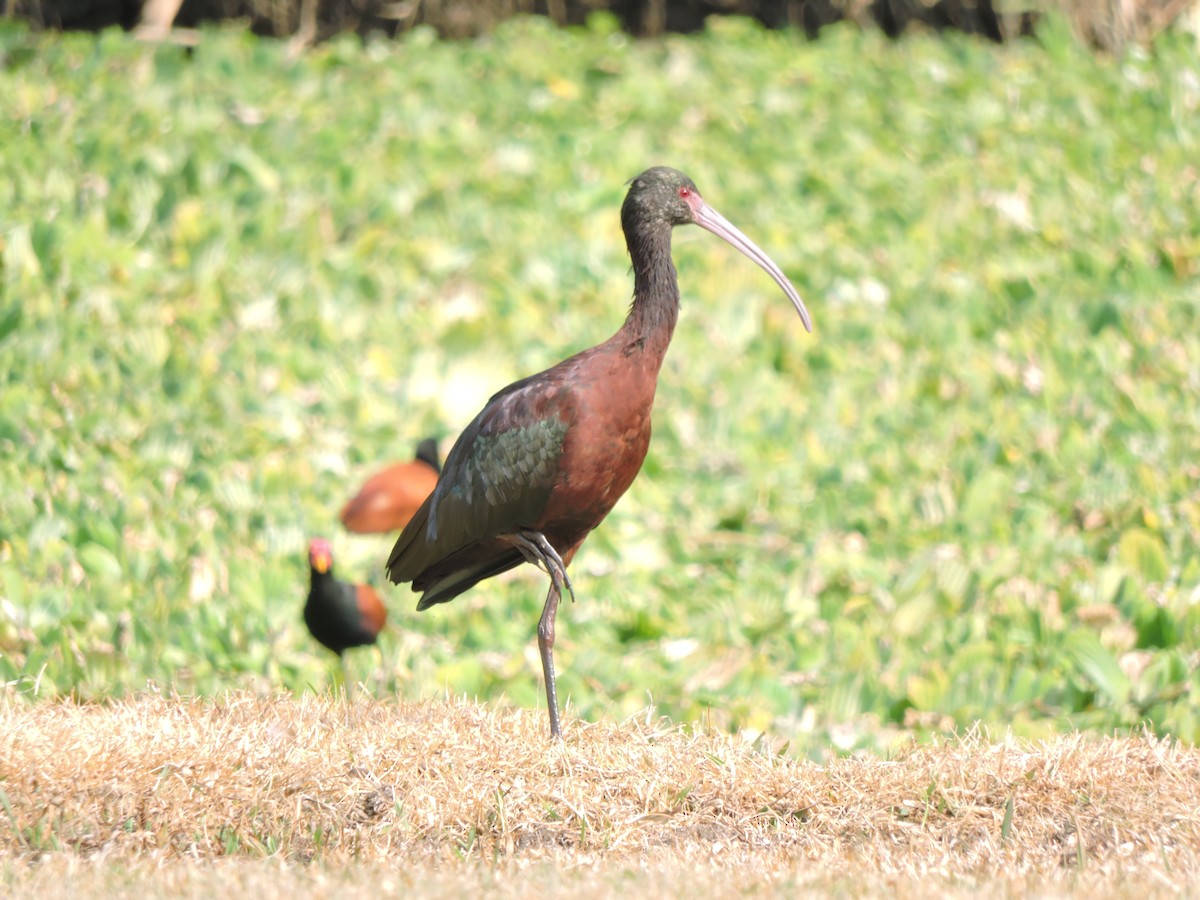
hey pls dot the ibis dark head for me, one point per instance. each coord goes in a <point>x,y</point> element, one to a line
<point>661,198</point>
<point>657,200</point>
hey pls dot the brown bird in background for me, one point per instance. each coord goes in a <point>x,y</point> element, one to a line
<point>340,615</point>
<point>388,499</point>
<point>550,455</point>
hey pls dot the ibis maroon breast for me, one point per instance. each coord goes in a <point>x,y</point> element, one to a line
<point>549,456</point>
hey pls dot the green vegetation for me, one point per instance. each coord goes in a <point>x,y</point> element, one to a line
<point>233,285</point>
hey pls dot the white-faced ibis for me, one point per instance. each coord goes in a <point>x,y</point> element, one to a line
<point>340,615</point>
<point>388,499</point>
<point>549,456</point>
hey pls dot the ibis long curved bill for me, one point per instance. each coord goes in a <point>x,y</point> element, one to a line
<point>711,220</point>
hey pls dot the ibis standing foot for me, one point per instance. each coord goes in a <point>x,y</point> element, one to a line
<point>539,552</point>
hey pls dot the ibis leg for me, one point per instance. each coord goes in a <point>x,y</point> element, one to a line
<point>545,633</point>
<point>538,551</point>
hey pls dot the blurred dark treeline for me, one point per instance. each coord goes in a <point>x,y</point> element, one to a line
<point>466,18</point>
<point>1105,24</point>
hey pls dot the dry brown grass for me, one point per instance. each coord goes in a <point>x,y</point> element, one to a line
<point>181,797</point>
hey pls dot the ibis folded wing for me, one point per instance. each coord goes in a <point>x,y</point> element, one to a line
<point>496,479</point>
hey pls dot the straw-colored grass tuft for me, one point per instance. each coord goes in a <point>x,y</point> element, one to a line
<point>443,785</point>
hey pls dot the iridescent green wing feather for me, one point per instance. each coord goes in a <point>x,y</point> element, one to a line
<point>497,477</point>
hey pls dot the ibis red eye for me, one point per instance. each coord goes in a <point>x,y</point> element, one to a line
<point>685,192</point>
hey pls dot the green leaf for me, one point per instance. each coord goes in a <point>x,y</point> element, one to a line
<point>986,496</point>
<point>1143,552</point>
<point>1098,666</point>
<point>99,562</point>
<point>13,585</point>
<point>927,692</point>
<point>259,171</point>
<point>10,320</point>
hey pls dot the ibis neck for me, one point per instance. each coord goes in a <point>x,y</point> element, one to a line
<point>655,310</point>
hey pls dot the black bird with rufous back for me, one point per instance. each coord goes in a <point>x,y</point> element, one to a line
<point>389,498</point>
<point>340,615</point>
